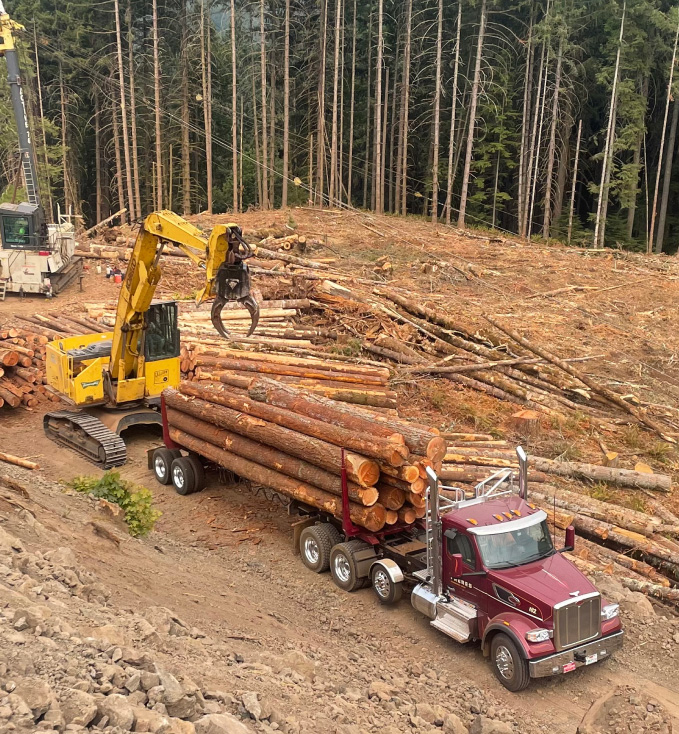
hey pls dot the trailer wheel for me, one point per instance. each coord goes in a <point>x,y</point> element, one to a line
<point>509,665</point>
<point>315,543</point>
<point>343,565</point>
<point>387,590</point>
<point>183,476</point>
<point>198,472</point>
<point>162,463</point>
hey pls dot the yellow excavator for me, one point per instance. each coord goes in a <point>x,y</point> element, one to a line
<point>117,377</point>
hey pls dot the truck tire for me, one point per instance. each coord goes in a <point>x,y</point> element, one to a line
<point>315,544</point>
<point>183,476</point>
<point>386,589</point>
<point>162,463</point>
<point>343,565</point>
<point>509,665</point>
<point>198,472</point>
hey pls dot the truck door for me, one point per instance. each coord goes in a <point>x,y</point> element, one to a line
<point>463,587</point>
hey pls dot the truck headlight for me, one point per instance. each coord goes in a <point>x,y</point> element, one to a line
<point>610,611</point>
<point>539,635</point>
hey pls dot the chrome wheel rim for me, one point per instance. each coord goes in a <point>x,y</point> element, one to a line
<point>504,662</point>
<point>381,583</point>
<point>311,552</point>
<point>161,469</point>
<point>178,478</point>
<point>342,569</point>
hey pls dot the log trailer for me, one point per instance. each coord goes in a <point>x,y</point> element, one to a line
<point>480,568</point>
<point>35,257</point>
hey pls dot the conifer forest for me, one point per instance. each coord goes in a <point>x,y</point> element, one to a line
<point>544,118</point>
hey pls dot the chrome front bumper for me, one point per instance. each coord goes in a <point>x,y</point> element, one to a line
<point>567,660</point>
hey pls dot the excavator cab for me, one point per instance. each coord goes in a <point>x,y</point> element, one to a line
<point>22,227</point>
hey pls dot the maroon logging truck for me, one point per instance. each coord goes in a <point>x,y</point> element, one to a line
<point>481,568</point>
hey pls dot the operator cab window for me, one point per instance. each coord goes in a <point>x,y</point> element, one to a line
<point>15,232</point>
<point>162,333</point>
<point>462,545</point>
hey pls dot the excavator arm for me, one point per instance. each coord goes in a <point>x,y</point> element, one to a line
<point>227,278</point>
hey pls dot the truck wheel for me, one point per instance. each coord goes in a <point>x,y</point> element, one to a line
<point>198,472</point>
<point>509,665</point>
<point>162,462</point>
<point>315,543</point>
<point>183,476</point>
<point>343,565</point>
<point>387,591</point>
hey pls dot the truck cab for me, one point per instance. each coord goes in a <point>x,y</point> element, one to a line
<point>496,576</point>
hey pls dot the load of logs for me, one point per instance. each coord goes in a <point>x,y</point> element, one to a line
<point>292,440</point>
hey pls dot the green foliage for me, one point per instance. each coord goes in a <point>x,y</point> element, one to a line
<point>136,501</point>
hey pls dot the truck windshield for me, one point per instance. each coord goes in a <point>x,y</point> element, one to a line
<point>516,547</point>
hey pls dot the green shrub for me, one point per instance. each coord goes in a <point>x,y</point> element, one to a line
<point>136,501</point>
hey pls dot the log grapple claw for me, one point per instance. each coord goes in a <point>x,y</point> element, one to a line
<point>233,284</point>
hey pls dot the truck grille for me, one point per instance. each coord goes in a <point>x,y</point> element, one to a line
<point>576,621</point>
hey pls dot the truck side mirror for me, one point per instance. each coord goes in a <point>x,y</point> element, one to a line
<point>570,538</point>
<point>457,564</point>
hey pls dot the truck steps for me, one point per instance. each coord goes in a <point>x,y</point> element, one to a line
<point>455,619</point>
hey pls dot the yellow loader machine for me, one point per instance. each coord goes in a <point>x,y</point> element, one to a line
<point>118,376</point>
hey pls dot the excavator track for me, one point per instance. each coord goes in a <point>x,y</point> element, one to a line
<point>87,435</point>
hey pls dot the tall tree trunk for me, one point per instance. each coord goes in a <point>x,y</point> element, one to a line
<point>649,245</point>
<point>156,87</point>
<point>68,196</point>
<point>366,171</point>
<point>99,204</point>
<point>185,114</point>
<point>533,150</point>
<point>333,132</point>
<point>405,106</point>
<point>116,147</point>
<point>574,183</point>
<point>600,223</point>
<point>50,211</point>
<point>453,113</point>
<point>351,111</point>
<point>272,137</point>
<point>472,119</point>
<point>542,100</point>
<point>525,130</point>
<point>265,132</point>
<point>286,105</point>
<point>636,161</point>
<point>340,151</point>
<point>385,109</point>
<point>437,119</point>
<point>240,174</point>
<point>234,106</point>
<point>207,118</point>
<point>667,179</point>
<point>551,150</point>
<point>564,153</point>
<point>378,106</point>
<point>133,110</point>
<point>392,133</point>
<point>320,127</point>
<point>258,165</point>
<point>131,214</point>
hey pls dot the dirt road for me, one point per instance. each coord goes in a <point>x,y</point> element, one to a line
<point>223,559</point>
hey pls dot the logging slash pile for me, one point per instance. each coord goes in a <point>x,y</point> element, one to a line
<point>291,440</point>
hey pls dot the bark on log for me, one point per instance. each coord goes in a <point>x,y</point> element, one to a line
<point>265,254</point>
<point>280,369</point>
<point>619,477</point>
<point>41,329</point>
<point>8,357</point>
<point>417,438</point>
<point>614,397</point>
<point>361,470</point>
<point>9,397</point>
<point>479,461</point>
<point>270,457</point>
<point>454,437</point>
<point>391,497</point>
<point>389,451</point>
<point>632,564</point>
<point>371,518</point>
<point>655,590</point>
<point>18,461</point>
<point>418,486</point>
<point>293,361</point>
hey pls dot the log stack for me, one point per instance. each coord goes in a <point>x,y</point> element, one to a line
<point>291,440</point>
<point>22,368</point>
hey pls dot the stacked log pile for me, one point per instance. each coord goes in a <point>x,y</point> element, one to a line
<point>291,440</point>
